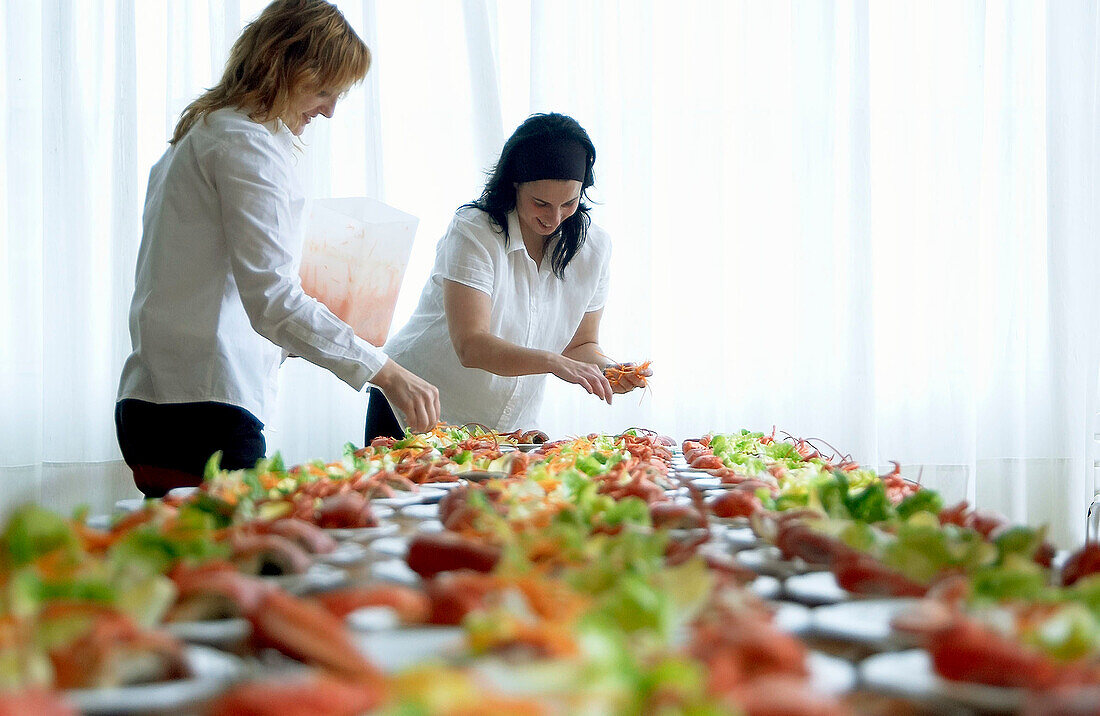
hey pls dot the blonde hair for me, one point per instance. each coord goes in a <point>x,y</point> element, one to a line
<point>293,44</point>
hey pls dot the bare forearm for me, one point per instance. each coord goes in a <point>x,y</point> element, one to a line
<point>501,357</point>
<point>588,353</point>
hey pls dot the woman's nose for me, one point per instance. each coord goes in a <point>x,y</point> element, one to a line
<point>329,109</point>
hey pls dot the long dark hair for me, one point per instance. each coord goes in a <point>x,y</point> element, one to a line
<point>499,196</point>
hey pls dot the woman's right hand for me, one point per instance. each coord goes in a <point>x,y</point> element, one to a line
<point>415,397</point>
<point>586,375</point>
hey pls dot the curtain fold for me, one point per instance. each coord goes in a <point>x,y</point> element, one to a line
<point>482,52</point>
<point>1073,223</point>
<point>872,223</point>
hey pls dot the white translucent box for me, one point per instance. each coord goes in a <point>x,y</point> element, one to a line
<point>354,258</point>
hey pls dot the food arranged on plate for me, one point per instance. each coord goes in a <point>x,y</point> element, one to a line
<point>595,574</point>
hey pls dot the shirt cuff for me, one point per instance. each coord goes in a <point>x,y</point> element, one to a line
<point>372,357</point>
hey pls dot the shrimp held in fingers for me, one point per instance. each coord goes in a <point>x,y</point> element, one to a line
<point>625,377</point>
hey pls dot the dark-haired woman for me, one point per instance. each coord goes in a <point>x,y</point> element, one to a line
<point>217,298</point>
<point>517,290</point>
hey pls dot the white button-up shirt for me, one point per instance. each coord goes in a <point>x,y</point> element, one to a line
<point>217,296</point>
<point>531,307</point>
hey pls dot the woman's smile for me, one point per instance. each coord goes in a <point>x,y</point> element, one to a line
<point>556,199</point>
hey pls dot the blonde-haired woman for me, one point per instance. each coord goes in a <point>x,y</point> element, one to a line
<point>217,301</point>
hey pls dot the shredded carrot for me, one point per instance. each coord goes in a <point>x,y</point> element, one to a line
<point>617,374</point>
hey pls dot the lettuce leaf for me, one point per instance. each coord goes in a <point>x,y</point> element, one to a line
<point>34,531</point>
<point>920,501</point>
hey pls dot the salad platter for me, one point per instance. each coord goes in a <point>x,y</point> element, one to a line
<point>466,571</point>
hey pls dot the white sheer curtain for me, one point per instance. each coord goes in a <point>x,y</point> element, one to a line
<point>873,222</point>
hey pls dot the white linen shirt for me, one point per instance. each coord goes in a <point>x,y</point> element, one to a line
<point>217,296</point>
<point>531,307</point>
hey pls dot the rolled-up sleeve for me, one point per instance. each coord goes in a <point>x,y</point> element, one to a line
<point>599,296</point>
<point>253,184</point>
<point>464,259</point>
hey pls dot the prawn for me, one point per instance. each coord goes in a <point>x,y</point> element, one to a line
<point>616,373</point>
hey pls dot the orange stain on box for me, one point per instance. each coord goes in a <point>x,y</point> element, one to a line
<point>353,260</point>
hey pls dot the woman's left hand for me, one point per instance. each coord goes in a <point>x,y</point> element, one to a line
<point>625,377</point>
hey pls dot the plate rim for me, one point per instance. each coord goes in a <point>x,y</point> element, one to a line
<point>223,670</point>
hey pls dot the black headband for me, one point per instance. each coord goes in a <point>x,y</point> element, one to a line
<point>550,158</point>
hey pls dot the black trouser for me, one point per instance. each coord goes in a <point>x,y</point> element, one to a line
<point>167,445</point>
<point>380,418</point>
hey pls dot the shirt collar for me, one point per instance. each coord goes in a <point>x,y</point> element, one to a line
<point>515,234</point>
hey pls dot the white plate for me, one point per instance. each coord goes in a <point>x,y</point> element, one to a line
<point>220,633</point>
<point>432,494</point>
<point>909,674</point>
<point>769,561</point>
<point>766,587</point>
<point>363,534</point>
<point>319,577</point>
<point>398,649</point>
<point>711,483</point>
<point>182,492</point>
<point>741,537</point>
<point>99,522</point>
<point>815,588</point>
<point>457,482</point>
<point>421,512</point>
<point>347,552</point>
<point>830,675</point>
<point>864,622</point>
<point>482,475</point>
<point>733,522</point>
<point>374,619</point>
<point>129,505</point>
<point>689,534</point>
<point>212,672</point>
<point>424,494</point>
<point>691,472</point>
<point>792,618</point>
<point>396,571</point>
<point>390,547</point>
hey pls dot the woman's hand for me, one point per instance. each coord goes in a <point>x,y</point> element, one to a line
<point>415,397</point>
<point>586,375</point>
<point>624,378</point>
